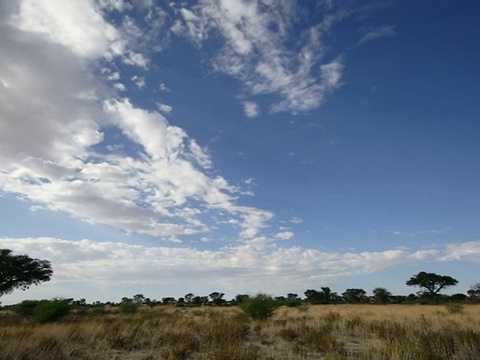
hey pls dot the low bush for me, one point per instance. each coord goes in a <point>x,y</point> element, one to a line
<point>51,310</point>
<point>128,307</point>
<point>260,306</point>
<point>455,308</point>
<point>26,307</point>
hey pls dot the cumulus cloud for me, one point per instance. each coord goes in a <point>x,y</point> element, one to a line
<point>78,25</point>
<point>56,142</point>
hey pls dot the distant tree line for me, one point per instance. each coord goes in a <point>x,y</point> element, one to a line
<point>324,295</point>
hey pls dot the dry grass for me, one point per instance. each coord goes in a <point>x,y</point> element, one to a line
<point>319,332</point>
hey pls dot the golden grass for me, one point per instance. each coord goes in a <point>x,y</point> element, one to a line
<point>318,332</point>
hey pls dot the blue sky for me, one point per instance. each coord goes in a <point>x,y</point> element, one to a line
<point>164,148</point>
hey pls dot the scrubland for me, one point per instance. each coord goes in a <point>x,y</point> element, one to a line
<point>419,332</point>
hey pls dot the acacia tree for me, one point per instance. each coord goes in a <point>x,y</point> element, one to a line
<point>432,283</point>
<point>355,296</point>
<point>21,271</point>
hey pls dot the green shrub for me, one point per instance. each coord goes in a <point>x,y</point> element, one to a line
<point>51,310</point>
<point>260,306</point>
<point>128,307</point>
<point>26,307</point>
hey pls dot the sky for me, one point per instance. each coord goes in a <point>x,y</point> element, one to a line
<point>238,146</point>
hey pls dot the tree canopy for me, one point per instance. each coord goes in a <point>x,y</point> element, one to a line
<point>21,271</point>
<point>432,283</point>
<point>355,296</point>
<point>474,291</point>
<point>381,295</point>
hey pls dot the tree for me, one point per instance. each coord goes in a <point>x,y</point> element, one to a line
<point>139,298</point>
<point>474,292</point>
<point>168,300</point>
<point>381,295</point>
<point>313,296</point>
<point>21,271</point>
<point>432,283</point>
<point>355,296</point>
<point>458,298</point>
<point>217,297</point>
<point>328,296</point>
<point>240,298</point>
<point>325,296</point>
<point>189,298</point>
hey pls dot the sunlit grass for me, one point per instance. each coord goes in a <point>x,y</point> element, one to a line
<point>315,332</point>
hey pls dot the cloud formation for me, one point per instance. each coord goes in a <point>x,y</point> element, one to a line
<point>241,267</point>
<point>383,31</point>
<point>251,109</point>
<point>255,36</point>
<point>68,143</point>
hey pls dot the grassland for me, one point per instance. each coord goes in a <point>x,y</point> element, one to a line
<point>332,332</point>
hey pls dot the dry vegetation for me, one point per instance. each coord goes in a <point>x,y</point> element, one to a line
<point>315,332</point>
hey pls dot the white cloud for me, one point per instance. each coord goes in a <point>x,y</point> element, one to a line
<point>55,117</point>
<point>285,235</point>
<point>250,181</point>
<point>139,81</point>
<point>251,109</point>
<point>164,88</point>
<point>296,220</point>
<point>164,108</point>
<point>114,76</point>
<point>383,31</point>
<point>78,25</point>
<point>120,86</point>
<point>255,50</point>
<point>257,264</point>
<point>81,27</point>
<point>467,251</point>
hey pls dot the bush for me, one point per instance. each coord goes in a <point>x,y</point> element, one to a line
<point>128,307</point>
<point>51,310</point>
<point>455,308</point>
<point>26,307</point>
<point>260,306</point>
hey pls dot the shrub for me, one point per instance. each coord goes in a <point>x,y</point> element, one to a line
<point>260,306</point>
<point>26,307</point>
<point>128,307</point>
<point>51,310</point>
<point>455,308</point>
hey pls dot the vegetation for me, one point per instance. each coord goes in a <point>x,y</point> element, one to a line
<point>211,327</point>
<point>322,332</point>
<point>381,295</point>
<point>432,283</point>
<point>260,306</point>
<point>21,271</point>
<point>51,310</point>
<point>128,306</point>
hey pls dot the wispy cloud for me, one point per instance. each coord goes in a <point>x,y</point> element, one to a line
<point>255,36</point>
<point>383,31</point>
